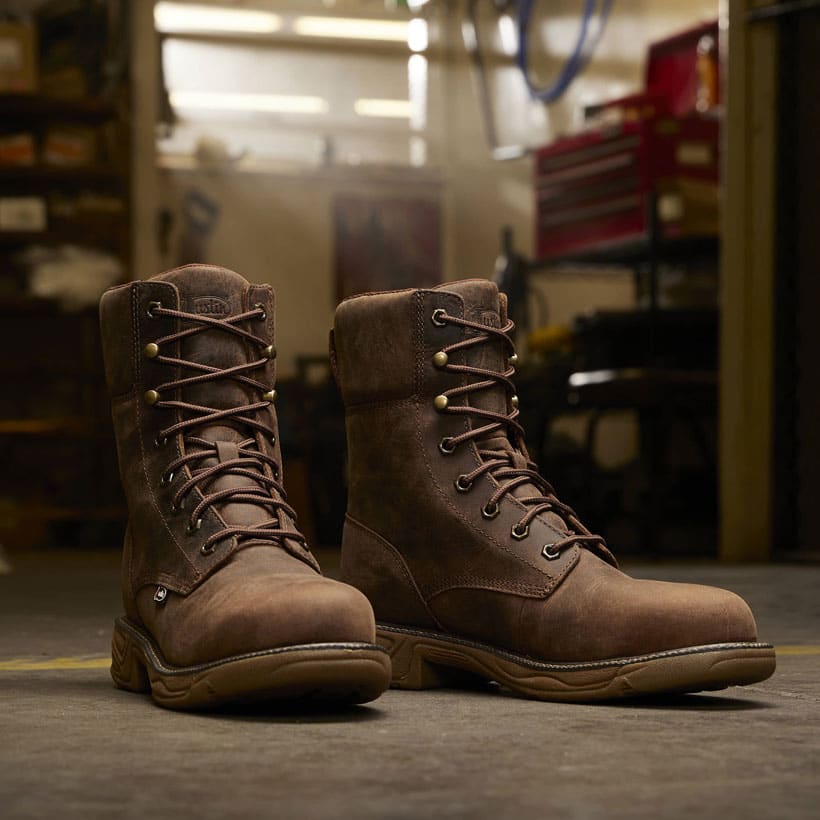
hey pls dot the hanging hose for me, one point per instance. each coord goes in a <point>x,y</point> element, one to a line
<point>585,45</point>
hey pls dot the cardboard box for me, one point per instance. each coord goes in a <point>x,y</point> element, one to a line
<point>72,146</point>
<point>23,214</point>
<point>17,149</point>
<point>18,59</point>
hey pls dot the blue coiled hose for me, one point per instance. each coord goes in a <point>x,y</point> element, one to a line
<point>584,48</point>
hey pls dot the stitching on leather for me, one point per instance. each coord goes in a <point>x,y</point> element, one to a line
<point>418,345</point>
<point>135,328</point>
<point>573,665</point>
<point>382,403</point>
<point>154,502</point>
<point>456,511</point>
<point>151,495</point>
<point>493,481</point>
<point>401,562</point>
<point>489,584</point>
<point>145,640</point>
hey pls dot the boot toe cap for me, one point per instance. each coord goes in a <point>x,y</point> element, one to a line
<point>678,615</point>
<point>214,624</point>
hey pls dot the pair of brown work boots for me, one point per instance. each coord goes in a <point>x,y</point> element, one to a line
<point>470,562</point>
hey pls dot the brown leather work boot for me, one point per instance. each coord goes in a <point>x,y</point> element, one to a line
<point>470,561</point>
<point>223,600</point>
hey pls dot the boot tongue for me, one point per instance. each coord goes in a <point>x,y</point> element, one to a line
<point>218,293</point>
<point>484,304</point>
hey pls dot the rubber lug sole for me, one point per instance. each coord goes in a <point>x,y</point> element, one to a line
<point>428,660</point>
<point>342,673</point>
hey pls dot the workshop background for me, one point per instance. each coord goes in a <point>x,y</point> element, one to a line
<point>648,227</point>
<point>641,177</point>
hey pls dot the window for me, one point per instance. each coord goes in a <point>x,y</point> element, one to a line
<point>264,89</point>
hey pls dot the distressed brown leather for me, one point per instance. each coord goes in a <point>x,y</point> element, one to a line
<point>250,593</point>
<point>421,550</point>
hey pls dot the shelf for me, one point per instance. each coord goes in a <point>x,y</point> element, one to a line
<point>37,107</point>
<point>80,235</point>
<point>24,303</point>
<point>634,252</point>
<point>80,174</point>
<point>91,512</point>
<point>48,427</point>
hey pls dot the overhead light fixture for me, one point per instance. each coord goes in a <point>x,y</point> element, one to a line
<point>352,28</point>
<point>417,91</point>
<point>508,34</point>
<point>262,103</point>
<point>395,109</point>
<point>181,18</point>
<point>417,36</point>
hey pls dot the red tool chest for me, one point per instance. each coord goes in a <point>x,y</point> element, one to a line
<point>594,189</point>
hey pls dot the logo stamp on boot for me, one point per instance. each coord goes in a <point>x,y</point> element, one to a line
<point>489,318</point>
<point>211,306</point>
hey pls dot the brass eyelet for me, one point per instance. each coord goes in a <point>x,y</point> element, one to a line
<point>512,361</point>
<point>446,446</point>
<point>436,317</point>
<point>192,528</point>
<point>151,307</point>
<point>520,533</point>
<point>440,359</point>
<point>264,316</point>
<point>490,511</point>
<point>177,509</point>
<point>160,441</point>
<point>463,484</point>
<point>166,479</point>
<point>441,403</point>
<point>550,552</point>
<point>203,550</point>
<point>269,352</point>
<point>151,350</point>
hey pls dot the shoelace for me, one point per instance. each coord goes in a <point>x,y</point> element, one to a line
<point>250,461</point>
<point>511,470</point>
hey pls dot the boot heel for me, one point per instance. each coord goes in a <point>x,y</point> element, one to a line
<point>411,670</point>
<point>127,667</point>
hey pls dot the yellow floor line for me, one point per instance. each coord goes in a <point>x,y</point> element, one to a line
<point>808,649</point>
<point>51,664</point>
<point>32,665</point>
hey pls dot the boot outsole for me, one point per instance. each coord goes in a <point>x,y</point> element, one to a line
<point>428,660</point>
<point>340,673</point>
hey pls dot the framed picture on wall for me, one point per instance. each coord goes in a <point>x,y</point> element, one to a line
<point>386,243</point>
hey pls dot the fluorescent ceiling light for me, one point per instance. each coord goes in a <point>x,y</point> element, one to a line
<point>183,17</point>
<point>266,103</point>
<point>508,34</point>
<point>351,28</point>
<point>417,37</point>
<point>398,109</point>
<point>417,91</point>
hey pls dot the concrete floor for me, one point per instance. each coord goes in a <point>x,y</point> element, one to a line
<point>71,745</point>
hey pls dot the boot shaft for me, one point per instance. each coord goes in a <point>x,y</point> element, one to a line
<point>387,353</point>
<point>413,509</point>
<point>384,344</point>
<point>174,530</point>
